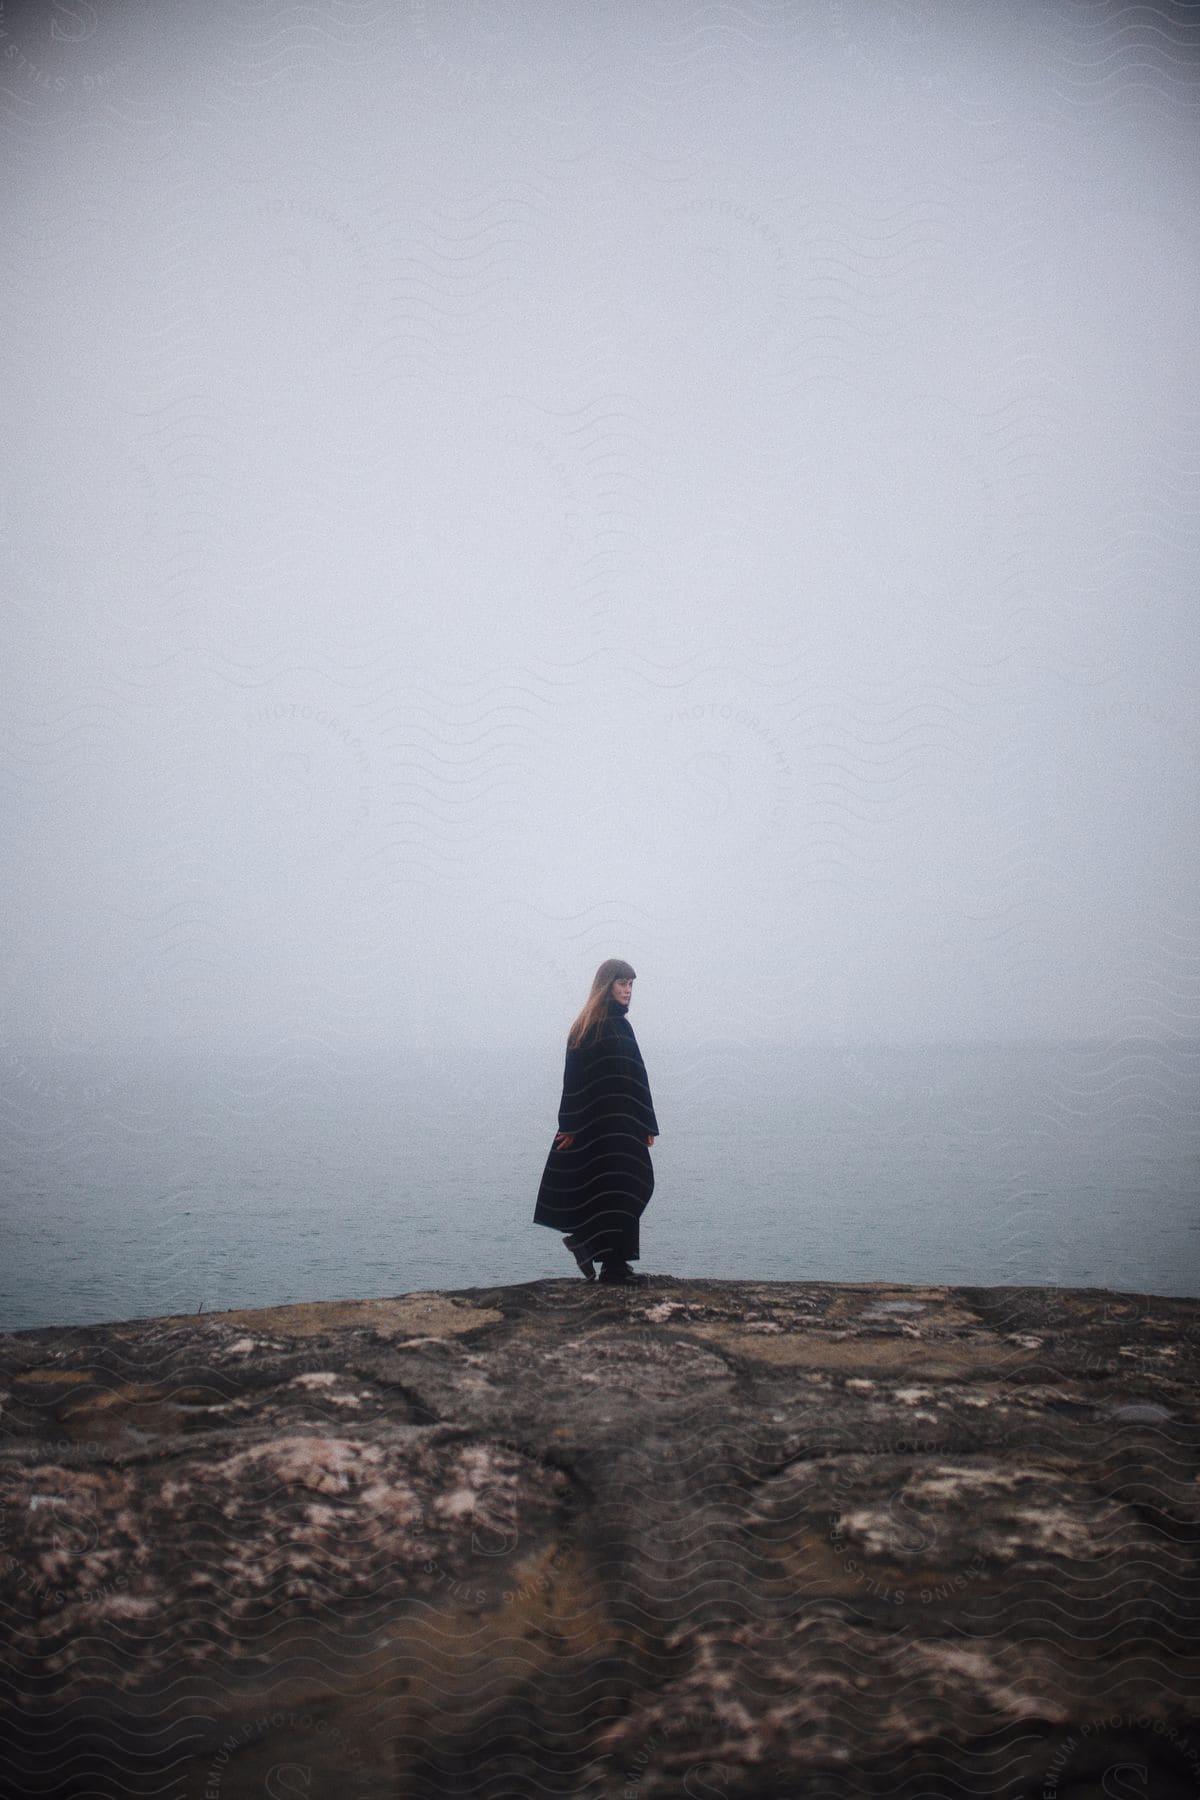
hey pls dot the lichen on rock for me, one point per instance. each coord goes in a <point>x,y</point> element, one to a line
<point>735,1538</point>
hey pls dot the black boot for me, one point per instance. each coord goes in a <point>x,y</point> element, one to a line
<point>586,1265</point>
<point>619,1274</point>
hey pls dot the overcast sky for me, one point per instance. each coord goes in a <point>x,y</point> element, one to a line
<point>491,486</point>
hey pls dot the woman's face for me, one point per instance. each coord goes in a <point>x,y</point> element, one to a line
<point>622,990</point>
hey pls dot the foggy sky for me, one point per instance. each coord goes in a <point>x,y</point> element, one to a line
<point>489,487</point>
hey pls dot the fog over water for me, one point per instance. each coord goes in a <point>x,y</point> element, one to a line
<point>488,487</point>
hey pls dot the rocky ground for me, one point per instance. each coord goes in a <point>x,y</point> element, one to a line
<point>718,1539</point>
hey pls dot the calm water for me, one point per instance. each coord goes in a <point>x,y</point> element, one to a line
<point>137,1186</point>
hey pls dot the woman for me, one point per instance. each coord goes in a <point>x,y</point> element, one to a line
<point>598,1175</point>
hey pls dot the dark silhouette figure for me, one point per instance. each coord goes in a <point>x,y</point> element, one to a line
<point>598,1175</point>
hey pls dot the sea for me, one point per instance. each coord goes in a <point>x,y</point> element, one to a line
<point>148,1180</point>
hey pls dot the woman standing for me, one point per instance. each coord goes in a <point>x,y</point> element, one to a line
<point>598,1175</point>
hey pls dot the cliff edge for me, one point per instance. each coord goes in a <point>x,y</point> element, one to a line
<point>711,1538</point>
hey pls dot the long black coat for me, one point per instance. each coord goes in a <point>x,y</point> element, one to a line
<point>598,1189</point>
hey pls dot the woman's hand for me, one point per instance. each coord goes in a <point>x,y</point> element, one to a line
<point>649,1138</point>
<point>563,1140</point>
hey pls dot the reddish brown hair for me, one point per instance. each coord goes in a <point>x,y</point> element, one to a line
<point>596,1005</point>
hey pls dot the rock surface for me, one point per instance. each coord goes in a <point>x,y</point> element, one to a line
<point>717,1539</point>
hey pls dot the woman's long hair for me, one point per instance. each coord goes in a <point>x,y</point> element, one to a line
<point>595,1006</point>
